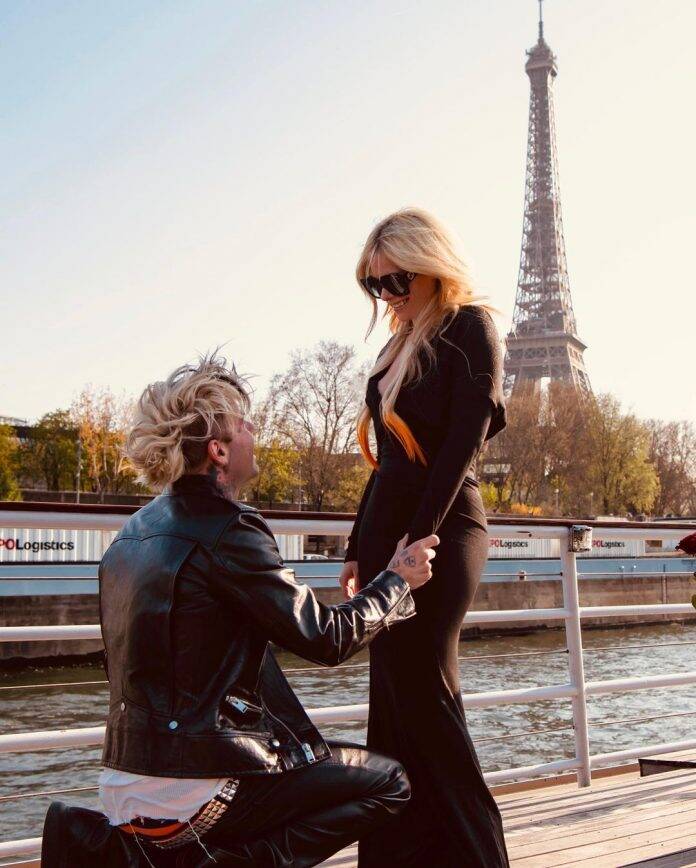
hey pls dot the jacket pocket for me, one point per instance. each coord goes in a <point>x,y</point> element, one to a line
<point>243,714</point>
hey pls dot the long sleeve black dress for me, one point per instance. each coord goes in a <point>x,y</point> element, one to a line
<point>416,713</point>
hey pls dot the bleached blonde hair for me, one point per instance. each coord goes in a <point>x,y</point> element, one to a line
<point>176,418</point>
<point>414,240</point>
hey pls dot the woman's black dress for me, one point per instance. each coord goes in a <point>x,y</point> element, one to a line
<point>416,713</point>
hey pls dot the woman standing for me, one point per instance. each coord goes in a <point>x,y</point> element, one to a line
<point>434,396</point>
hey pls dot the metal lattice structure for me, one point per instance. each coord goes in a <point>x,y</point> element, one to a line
<point>543,343</point>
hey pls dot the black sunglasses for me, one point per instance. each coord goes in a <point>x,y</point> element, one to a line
<point>397,283</point>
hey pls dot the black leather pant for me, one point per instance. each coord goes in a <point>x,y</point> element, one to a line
<point>293,820</point>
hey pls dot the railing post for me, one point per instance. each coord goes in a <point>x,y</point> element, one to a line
<point>576,667</point>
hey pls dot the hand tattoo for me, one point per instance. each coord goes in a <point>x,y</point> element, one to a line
<point>402,560</point>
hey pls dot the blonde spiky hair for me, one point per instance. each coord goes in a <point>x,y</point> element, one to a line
<point>175,418</point>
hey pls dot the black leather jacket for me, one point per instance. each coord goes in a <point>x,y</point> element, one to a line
<point>191,592</point>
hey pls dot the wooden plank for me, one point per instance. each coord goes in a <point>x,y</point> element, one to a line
<point>604,831</point>
<point>612,853</point>
<point>549,832</point>
<point>658,850</point>
<point>575,794</point>
<point>621,820</point>
<point>682,859</point>
<point>557,780</point>
<point>574,800</point>
<point>603,808</point>
<point>613,823</point>
<point>32,863</point>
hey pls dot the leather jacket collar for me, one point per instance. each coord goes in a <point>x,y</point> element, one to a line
<point>194,483</point>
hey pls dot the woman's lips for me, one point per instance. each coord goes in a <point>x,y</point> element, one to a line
<point>397,305</point>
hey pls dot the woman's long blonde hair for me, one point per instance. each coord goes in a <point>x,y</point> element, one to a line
<point>414,240</point>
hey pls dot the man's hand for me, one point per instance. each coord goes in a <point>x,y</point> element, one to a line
<point>412,562</point>
<point>348,579</point>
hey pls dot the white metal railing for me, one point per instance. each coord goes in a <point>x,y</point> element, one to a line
<point>576,689</point>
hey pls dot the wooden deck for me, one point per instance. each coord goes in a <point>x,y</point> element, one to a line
<point>621,820</point>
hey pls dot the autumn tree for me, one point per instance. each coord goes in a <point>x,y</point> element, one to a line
<point>515,459</point>
<point>102,420</point>
<point>579,451</point>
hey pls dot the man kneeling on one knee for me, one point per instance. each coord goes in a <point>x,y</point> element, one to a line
<point>209,757</point>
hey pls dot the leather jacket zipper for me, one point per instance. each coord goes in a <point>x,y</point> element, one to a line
<point>304,746</point>
<point>238,704</point>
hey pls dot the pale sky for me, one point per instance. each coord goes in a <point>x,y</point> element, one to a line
<point>178,175</point>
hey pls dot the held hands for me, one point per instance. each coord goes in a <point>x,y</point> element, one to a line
<point>412,562</point>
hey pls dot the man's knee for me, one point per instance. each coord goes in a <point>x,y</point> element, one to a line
<point>392,785</point>
<point>382,778</point>
<point>398,785</point>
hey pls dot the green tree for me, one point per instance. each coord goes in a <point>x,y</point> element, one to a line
<point>9,489</point>
<point>345,497</point>
<point>621,474</point>
<point>277,480</point>
<point>49,456</point>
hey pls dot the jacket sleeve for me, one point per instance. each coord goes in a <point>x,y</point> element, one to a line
<point>251,577</point>
<point>475,390</point>
<point>352,548</point>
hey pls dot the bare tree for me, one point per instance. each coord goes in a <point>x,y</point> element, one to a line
<point>316,403</point>
<point>673,452</point>
<point>516,457</point>
<point>568,461</point>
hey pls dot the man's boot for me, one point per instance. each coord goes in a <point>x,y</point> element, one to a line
<point>80,838</point>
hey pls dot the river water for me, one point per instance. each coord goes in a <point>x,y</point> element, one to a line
<point>497,731</point>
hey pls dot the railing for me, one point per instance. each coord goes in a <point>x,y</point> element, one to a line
<point>576,688</point>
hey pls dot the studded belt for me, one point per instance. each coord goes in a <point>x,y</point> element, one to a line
<point>172,835</point>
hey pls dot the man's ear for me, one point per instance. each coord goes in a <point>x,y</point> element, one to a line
<point>218,452</point>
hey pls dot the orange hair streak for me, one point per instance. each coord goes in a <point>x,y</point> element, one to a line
<point>398,428</point>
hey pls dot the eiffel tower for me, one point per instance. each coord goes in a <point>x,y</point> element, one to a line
<point>543,343</point>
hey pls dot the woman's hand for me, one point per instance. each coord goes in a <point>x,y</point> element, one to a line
<point>348,579</point>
